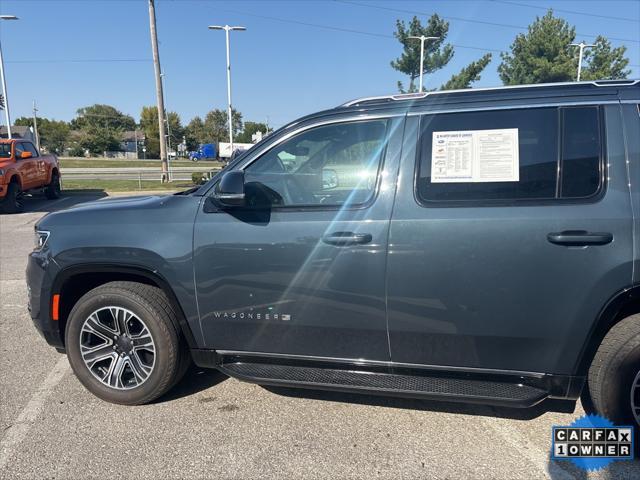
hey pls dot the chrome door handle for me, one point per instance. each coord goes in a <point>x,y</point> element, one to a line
<point>579,238</point>
<point>342,239</point>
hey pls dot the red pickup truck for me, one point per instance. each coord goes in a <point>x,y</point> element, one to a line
<point>23,168</point>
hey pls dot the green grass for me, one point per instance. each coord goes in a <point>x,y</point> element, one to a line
<point>115,163</point>
<point>78,186</point>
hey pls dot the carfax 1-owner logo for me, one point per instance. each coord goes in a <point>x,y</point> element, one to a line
<point>592,442</point>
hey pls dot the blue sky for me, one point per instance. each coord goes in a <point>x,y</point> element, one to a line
<point>282,66</point>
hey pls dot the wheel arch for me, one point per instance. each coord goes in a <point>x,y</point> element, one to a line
<point>15,178</point>
<point>621,305</point>
<point>73,282</point>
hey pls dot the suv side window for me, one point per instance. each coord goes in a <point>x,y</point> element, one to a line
<point>558,150</point>
<point>329,165</point>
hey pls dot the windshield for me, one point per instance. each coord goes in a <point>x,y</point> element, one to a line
<point>5,150</point>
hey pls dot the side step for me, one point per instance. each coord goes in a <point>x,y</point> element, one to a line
<point>507,391</point>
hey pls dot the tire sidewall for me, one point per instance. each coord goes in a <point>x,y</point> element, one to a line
<point>10,202</point>
<point>53,189</point>
<point>163,337</point>
<point>617,384</point>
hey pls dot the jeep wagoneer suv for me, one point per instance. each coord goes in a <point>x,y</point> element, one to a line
<point>478,246</point>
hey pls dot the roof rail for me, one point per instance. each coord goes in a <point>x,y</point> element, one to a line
<point>399,96</point>
<point>409,96</point>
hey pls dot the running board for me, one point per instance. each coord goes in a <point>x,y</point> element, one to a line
<point>500,390</point>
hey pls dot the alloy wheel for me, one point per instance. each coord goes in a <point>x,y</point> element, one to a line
<point>117,348</point>
<point>635,398</point>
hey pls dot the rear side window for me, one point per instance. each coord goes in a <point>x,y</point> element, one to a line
<point>534,154</point>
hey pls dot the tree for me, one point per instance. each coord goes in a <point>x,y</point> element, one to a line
<point>605,63</point>
<point>101,127</point>
<point>436,54</point>
<point>196,133</point>
<point>150,127</point>
<point>544,54</point>
<point>102,116</point>
<point>216,123</point>
<point>468,74</point>
<point>53,134</point>
<point>249,129</point>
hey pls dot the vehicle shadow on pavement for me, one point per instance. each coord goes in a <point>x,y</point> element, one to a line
<point>195,380</point>
<point>562,406</point>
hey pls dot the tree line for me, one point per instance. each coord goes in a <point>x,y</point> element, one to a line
<point>99,128</point>
<point>542,54</point>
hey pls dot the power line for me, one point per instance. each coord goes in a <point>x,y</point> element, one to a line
<point>574,12</point>
<point>83,60</point>
<point>344,30</point>
<point>460,19</point>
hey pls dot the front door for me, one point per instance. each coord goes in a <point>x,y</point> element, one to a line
<point>508,273</point>
<point>27,167</point>
<point>304,276</point>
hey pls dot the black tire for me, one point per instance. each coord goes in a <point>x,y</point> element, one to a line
<point>12,202</point>
<point>52,191</point>
<point>613,372</point>
<point>151,306</point>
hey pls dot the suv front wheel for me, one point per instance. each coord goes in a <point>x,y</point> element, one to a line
<point>123,344</point>
<point>614,376</point>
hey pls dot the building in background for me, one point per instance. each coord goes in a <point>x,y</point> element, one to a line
<point>20,132</point>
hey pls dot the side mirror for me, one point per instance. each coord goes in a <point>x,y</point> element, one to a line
<point>25,155</point>
<point>230,190</point>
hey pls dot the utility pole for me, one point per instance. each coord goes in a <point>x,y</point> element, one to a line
<point>159,93</point>
<point>35,125</point>
<point>582,46</point>
<point>227,29</point>
<point>7,116</point>
<point>422,39</point>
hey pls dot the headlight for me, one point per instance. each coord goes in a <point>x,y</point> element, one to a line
<point>1,172</point>
<point>40,239</point>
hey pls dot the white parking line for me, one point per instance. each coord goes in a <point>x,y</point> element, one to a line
<point>17,432</point>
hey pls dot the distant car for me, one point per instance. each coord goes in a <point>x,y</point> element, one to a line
<point>23,168</point>
<point>206,151</point>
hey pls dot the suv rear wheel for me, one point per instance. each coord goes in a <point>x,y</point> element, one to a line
<point>123,344</point>
<point>614,376</point>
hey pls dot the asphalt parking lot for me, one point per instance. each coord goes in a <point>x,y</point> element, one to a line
<point>211,426</point>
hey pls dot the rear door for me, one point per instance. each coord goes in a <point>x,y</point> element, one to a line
<point>306,275</point>
<point>507,269</point>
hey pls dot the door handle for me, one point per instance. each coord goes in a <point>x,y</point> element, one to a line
<point>342,239</point>
<point>579,238</point>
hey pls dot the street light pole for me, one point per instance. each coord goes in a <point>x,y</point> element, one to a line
<point>582,46</point>
<point>7,116</point>
<point>422,39</point>
<point>227,29</point>
<point>35,125</point>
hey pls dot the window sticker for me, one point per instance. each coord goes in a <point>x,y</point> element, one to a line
<point>473,156</point>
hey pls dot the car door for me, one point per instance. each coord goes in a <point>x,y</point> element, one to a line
<point>305,275</point>
<point>26,167</point>
<point>40,174</point>
<point>503,274</point>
